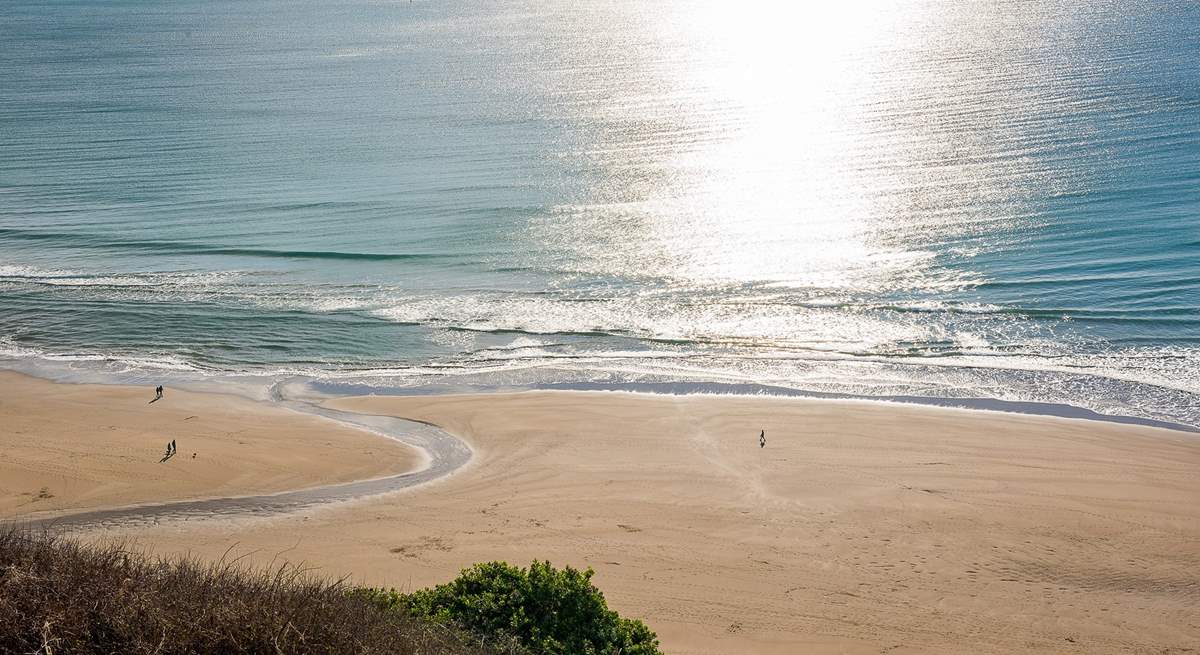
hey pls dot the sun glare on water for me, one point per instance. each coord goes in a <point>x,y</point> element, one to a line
<point>773,189</point>
<point>785,157</point>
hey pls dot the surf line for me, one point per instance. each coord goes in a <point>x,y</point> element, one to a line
<point>444,454</point>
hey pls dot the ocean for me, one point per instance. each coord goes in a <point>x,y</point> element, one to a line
<point>942,200</point>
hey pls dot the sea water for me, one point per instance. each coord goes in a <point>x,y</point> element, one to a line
<point>932,199</point>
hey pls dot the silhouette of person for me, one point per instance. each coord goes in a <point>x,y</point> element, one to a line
<point>173,447</point>
<point>762,439</point>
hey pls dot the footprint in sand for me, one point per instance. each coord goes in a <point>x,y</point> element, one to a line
<point>426,544</point>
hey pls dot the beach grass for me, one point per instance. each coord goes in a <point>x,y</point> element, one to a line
<point>58,595</point>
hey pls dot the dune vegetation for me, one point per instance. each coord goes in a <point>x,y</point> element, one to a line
<point>59,595</point>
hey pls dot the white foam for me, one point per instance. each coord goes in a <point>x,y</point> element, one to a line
<point>69,278</point>
<point>30,272</point>
<point>115,363</point>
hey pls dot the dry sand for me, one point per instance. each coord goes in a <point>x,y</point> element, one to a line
<point>860,528</point>
<point>65,446</point>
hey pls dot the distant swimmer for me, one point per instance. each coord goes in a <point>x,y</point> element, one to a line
<point>762,439</point>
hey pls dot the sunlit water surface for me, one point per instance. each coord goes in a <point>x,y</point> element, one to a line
<point>949,199</point>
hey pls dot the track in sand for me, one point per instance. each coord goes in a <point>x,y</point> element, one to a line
<point>444,452</point>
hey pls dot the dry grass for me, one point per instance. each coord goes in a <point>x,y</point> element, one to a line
<point>62,596</point>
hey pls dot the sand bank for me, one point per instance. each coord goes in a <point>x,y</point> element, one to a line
<point>860,527</point>
<point>71,447</point>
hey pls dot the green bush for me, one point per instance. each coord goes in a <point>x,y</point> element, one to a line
<point>546,610</point>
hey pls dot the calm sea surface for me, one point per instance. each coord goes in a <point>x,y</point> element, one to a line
<point>948,199</point>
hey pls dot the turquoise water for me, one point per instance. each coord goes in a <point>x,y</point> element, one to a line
<point>926,198</point>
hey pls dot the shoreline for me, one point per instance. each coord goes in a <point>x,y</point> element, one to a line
<point>453,455</point>
<point>439,454</point>
<point>732,390</point>
<point>262,387</point>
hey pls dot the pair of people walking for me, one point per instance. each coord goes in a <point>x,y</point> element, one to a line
<point>158,394</point>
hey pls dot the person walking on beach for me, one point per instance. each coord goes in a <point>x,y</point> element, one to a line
<point>158,391</point>
<point>762,439</point>
<point>173,448</point>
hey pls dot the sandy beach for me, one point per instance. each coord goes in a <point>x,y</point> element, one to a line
<point>74,447</point>
<point>860,528</point>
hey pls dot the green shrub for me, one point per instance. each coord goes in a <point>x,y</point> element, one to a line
<point>546,610</point>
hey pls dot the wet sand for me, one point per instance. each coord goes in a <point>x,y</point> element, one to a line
<point>860,528</point>
<point>66,447</point>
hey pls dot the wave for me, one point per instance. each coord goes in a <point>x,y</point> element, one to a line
<point>156,279</point>
<point>508,338</point>
<point>169,247</point>
<point>30,272</point>
<point>1148,382</point>
<point>927,307</point>
<point>669,318</point>
<point>935,329</point>
<point>316,254</point>
<point>111,362</point>
<point>1165,315</point>
<point>525,343</point>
